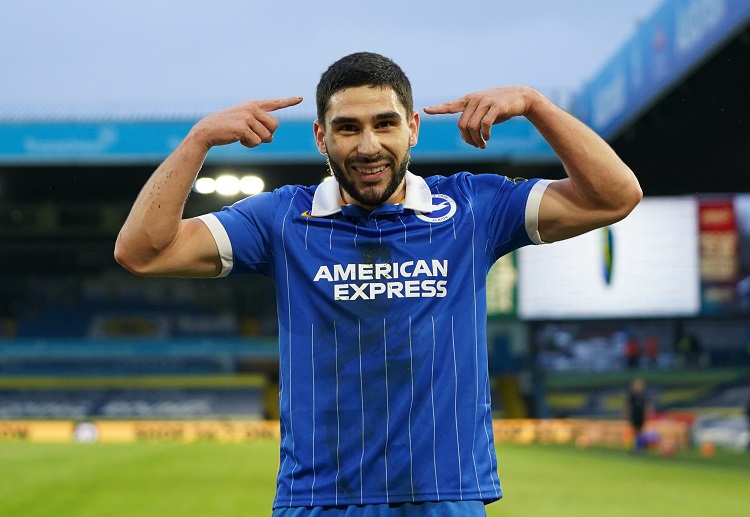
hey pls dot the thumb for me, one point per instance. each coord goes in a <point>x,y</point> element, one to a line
<point>455,106</point>
<point>276,104</point>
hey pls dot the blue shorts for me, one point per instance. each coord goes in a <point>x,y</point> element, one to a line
<point>427,509</point>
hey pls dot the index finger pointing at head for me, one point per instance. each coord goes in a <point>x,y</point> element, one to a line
<point>275,104</point>
<point>456,106</point>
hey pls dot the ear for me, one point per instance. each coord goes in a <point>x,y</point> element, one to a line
<point>320,137</point>
<point>414,129</point>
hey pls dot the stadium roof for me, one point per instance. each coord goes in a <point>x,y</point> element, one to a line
<point>676,40</point>
<point>692,135</point>
<point>675,102</point>
<point>690,57</point>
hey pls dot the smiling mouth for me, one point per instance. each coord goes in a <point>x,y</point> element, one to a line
<point>370,170</point>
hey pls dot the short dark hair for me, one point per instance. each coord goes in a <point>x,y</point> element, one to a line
<point>362,69</point>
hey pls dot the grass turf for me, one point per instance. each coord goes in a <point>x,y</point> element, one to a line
<point>199,479</point>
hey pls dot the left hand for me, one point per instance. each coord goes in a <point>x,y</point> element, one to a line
<point>481,110</point>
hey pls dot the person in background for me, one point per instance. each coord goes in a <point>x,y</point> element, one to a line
<point>652,351</point>
<point>690,350</point>
<point>632,353</point>
<point>637,409</point>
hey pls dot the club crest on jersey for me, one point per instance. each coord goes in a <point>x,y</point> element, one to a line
<point>443,208</point>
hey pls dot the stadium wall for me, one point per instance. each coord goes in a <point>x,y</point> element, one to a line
<point>582,433</point>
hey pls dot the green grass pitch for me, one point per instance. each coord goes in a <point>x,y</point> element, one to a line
<point>199,479</point>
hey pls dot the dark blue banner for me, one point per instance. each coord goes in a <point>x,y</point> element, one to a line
<point>675,40</point>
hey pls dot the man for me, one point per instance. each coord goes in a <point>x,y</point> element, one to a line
<point>637,409</point>
<point>380,281</point>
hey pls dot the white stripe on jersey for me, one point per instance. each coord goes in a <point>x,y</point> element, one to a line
<point>289,323</point>
<point>476,337</point>
<point>282,391</point>
<point>411,405</point>
<point>312,369</point>
<point>362,398</point>
<point>486,431</point>
<point>307,227</point>
<point>380,232</point>
<point>402,222</point>
<point>338,420</point>
<point>387,413</point>
<point>434,421</point>
<point>455,412</point>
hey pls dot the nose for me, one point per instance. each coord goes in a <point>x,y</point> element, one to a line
<point>369,145</point>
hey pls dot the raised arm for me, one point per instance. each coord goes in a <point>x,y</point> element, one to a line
<point>155,240</point>
<point>599,190</point>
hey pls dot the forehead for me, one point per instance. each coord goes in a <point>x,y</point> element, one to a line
<point>364,102</point>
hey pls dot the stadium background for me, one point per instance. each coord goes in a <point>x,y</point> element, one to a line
<point>82,340</point>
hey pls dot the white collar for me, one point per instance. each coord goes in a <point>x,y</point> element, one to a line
<point>327,199</point>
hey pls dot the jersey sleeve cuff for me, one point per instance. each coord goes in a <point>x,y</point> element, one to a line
<point>532,210</point>
<point>222,242</point>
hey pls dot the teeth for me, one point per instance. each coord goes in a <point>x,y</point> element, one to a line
<point>375,170</point>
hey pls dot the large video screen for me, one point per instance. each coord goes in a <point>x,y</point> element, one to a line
<point>644,266</point>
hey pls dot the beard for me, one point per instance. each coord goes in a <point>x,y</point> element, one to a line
<point>371,196</point>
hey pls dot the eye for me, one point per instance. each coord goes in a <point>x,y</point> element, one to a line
<point>347,128</point>
<point>386,124</point>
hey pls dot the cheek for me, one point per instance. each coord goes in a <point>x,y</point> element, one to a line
<point>333,145</point>
<point>342,148</point>
<point>400,146</point>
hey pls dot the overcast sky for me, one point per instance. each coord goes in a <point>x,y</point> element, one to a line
<point>140,57</point>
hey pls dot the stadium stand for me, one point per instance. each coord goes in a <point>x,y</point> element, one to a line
<point>672,102</point>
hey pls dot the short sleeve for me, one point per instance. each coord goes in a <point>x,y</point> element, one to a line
<point>510,210</point>
<point>243,234</point>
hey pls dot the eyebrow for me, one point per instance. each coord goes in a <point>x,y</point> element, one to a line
<point>387,115</point>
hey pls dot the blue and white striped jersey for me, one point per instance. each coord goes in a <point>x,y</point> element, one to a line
<point>384,389</point>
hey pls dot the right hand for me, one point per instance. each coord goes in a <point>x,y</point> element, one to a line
<point>248,123</point>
